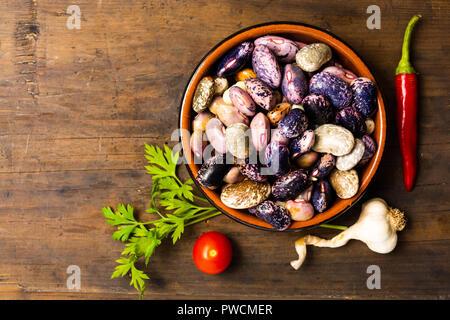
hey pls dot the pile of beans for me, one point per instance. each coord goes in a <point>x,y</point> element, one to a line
<point>288,129</point>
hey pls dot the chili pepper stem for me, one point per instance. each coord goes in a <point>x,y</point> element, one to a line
<point>404,66</point>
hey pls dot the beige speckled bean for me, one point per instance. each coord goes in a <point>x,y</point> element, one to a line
<point>203,94</point>
<point>370,125</point>
<point>220,85</point>
<point>311,57</point>
<point>245,194</point>
<point>345,183</point>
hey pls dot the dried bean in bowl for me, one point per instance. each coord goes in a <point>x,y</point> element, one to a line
<point>310,123</point>
<point>333,139</point>
<point>345,183</point>
<point>274,214</point>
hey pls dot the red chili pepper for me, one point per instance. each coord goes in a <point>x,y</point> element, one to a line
<point>406,92</point>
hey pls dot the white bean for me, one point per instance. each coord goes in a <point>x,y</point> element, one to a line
<point>349,161</point>
<point>333,139</point>
<point>237,137</point>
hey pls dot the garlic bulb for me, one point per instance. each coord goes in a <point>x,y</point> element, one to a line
<point>377,227</point>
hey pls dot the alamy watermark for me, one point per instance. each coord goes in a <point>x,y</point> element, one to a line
<point>74,280</point>
<point>374,280</point>
<point>74,21</point>
<point>374,20</point>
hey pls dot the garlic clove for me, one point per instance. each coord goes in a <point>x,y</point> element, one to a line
<point>377,227</point>
<point>300,247</point>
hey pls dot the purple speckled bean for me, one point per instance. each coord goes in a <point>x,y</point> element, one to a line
<point>302,144</point>
<point>293,124</point>
<point>215,131</point>
<point>283,48</point>
<point>290,185</point>
<point>330,63</point>
<point>300,44</point>
<point>352,120</point>
<point>324,166</point>
<point>273,214</point>
<point>242,101</point>
<point>294,85</point>
<point>277,159</point>
<point>330,86</point>
<point>252,172</point>
<point>260,130</point>
<point>200,120</point>
<point>266,66</point>
<point>198,144</point>
<point>252,210</point>
<point>227,113</point>
<point>300,210</point>
<point>261,94</point>
<point>278,138</point>
<point>364,96</point>
<point>213,171</point>
<point>318,109</point>
<point>307,160</point>
<point>369,151</point>
<point>233,176</point>
<point>235,59</point>
<point>323,196</point>
<point>341,73</point>
<point>306,194</point>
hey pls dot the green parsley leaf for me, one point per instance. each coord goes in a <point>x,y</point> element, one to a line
<point>173,203</point>
<point>162,164</point>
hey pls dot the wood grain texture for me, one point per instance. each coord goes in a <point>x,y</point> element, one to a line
<point>77,106</point>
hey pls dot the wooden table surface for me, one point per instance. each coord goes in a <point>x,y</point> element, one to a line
<point>77,106</point>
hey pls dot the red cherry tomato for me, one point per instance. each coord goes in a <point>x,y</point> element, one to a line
<point>212,252</point>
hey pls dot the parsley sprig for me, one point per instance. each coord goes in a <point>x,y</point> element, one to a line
<point>169,194</point>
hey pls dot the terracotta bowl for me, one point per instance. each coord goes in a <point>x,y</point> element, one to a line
<point>299,32</point>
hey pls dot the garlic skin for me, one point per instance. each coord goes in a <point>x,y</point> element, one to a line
<point>374,227</point>
<point>377,227</point>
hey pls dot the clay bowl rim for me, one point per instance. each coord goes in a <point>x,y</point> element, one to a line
<point>281,27</point>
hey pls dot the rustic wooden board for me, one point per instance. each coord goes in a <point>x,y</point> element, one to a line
<point>77,106</point>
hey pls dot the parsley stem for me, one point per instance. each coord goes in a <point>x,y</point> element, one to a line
<point>203,218</point>
<point>207,209</point>
<point>202,212</point>
<point>333,226</point>
<point>201,199</point>
<point>148,222</point>
<point>160,214</point>
<point>178,180</point>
